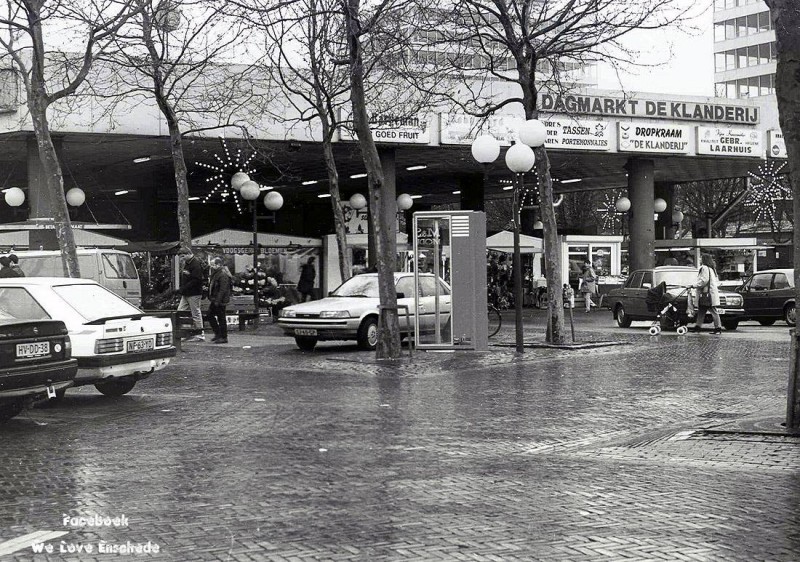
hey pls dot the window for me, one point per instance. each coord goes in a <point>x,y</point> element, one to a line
<point>752,24</point>
<point>19,303</point>
<point>719,90</point>
<point>780,281</point>
<point>764,21</point>
<point>773,50</point>
<point>647,280</point>
<point>719,62</point>
<point>752,55</point>
<point>731,89</point>
<point>719,32</point>
<point>742,88</point>
<point>428,287</point>
<point>94,302</point>
<point>635,281</point>
<point>760,282</point>
<point>741,57</point>
<point>741,27</point>
<point>730,29</point>
<point>763,53</point>
<point>766,85</point>
<point>406,286</point>
<point>119,266</point>
<point>730,60</point>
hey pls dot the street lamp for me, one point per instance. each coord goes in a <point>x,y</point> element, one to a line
<point>14,196</point>
<point>250,190</point>
<point>623,205</point>
<point>677,219</point>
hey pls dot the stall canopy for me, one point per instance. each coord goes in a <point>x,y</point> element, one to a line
<point>503,241</point>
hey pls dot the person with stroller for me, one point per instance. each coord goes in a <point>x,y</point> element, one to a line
<point>706,298</point>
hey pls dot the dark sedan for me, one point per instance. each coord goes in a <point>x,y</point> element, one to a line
<point>35,362</point>
<point>629,302</point>
<point>769,296</point>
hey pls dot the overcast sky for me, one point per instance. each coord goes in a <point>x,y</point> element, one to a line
<point>690,70</point>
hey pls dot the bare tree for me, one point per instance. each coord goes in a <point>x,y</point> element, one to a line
<point>28,31</point>
<point>179,54</point>
<point>786,21</point>
<point>304,49</point>
<point>536,44</point>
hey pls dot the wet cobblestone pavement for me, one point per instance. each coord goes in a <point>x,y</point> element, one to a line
<point>256,451</point>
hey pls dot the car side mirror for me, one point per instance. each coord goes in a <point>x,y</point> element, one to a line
<point>647,285</point>
<point>401,295</point>
<point>330,293</point>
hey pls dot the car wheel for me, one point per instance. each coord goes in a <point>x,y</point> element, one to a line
<point>9,410</point>
<point>115,387</point>
<point>767,321</point>
<point>789,314</point>
<point>368,334</point>
<point>305,343</point>
<point>730,324</point>
<point>622,318</point>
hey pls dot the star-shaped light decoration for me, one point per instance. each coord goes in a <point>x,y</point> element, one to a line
<point>608,210</point>
<point>223,170</point>
<point>767,185</point>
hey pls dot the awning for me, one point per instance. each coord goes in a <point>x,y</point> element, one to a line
<point>503,241</point>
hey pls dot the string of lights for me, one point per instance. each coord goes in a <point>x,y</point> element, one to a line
<point>767,185</point>
<point>226,165</point>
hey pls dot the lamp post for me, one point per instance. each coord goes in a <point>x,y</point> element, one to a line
<point>250,190</point>
<point>14,196</point>
<point>623,205</point>
<point>677,219</point>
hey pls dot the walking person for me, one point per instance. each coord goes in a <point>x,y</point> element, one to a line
<point>588,285</point>
<point>6,271</point>
<point>306,284</point>
<point>707,295</point>
<point>191,291</point>
<point>219,293</point>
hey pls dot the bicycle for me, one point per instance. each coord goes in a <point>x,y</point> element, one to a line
<point>495,320</point>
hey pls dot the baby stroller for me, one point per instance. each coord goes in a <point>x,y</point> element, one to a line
<point>660,301</point>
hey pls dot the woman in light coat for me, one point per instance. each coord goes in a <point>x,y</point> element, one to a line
<point>707,281</point>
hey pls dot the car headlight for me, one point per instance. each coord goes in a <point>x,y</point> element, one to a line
<point>285,313</point>
<point>734,301</point>
<point>334,314</point>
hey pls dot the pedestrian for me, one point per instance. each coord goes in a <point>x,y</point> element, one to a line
<point>671,260</point>
<point>707,295</point>
<point>5,270</point>
<point>588,284</point>
<point>15,265</point>
<point>306,284</point>
<point>219,293</point>
<point>191,291</point>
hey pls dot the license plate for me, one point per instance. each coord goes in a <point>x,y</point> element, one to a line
<point>135,346</point>
<point>305,332</point>
<point>30,350</point>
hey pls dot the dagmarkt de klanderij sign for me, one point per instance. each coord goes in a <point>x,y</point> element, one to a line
<point>652,109</point>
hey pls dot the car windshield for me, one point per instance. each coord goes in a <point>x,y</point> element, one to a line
<point>94,302</point>
<point>358,286</point>
<point>675,278</point>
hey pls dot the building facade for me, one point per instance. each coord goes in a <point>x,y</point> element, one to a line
<point>744,49</point>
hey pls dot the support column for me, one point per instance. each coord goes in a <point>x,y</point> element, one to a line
<point>472,190</point>
<point>665,230</point>
<point>641,193</point>
<point>389,198</point>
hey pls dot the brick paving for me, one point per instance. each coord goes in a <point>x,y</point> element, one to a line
<point>256,451</point>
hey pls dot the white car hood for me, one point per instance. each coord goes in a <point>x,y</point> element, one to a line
<point>335,303</point>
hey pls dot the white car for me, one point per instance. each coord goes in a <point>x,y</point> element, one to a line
<point>351,311</point>
<point>115,343</point>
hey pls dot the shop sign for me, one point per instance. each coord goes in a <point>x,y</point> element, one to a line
<point>262,250</point>
<point>669,139</point>
<point>394,129</point>
<point>460,128</point>
<point>648,108</point>
<point>355,221</point>
<point>777,146</point>
<point>577,134</point>
<point>729,142</point>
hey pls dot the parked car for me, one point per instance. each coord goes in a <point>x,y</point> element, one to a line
<point>769,296</point>
<point>115,343</point>
<point>35,362</point>
<point>628,303</point>
<point>351,311</point>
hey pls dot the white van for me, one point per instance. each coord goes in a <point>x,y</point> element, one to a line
<point>113,269</point>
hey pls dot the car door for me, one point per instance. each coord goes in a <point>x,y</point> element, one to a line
<point>778,294</point>
<point>630,293</point>
<point>405,297</point>
<point>756,295</point>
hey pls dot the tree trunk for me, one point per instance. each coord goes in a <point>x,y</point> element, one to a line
<point>37,105</point>
<point>345,263</point>
<point>181,183</point>
<point>388,346</point>
<point>786,22</point>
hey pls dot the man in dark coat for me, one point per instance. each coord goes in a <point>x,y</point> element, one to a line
<point>191,291</point>
<point>6,271</point>
<point>219,293</point>
<point>15,265</point>
<point>306,284</point>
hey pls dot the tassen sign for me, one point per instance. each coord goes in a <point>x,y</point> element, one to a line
<point>733,142</point>
<point>652,109</point>
<point>577,134</point>
<point>669,139</point>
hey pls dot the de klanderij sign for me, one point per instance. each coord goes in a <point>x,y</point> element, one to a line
<point>652,109</point>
